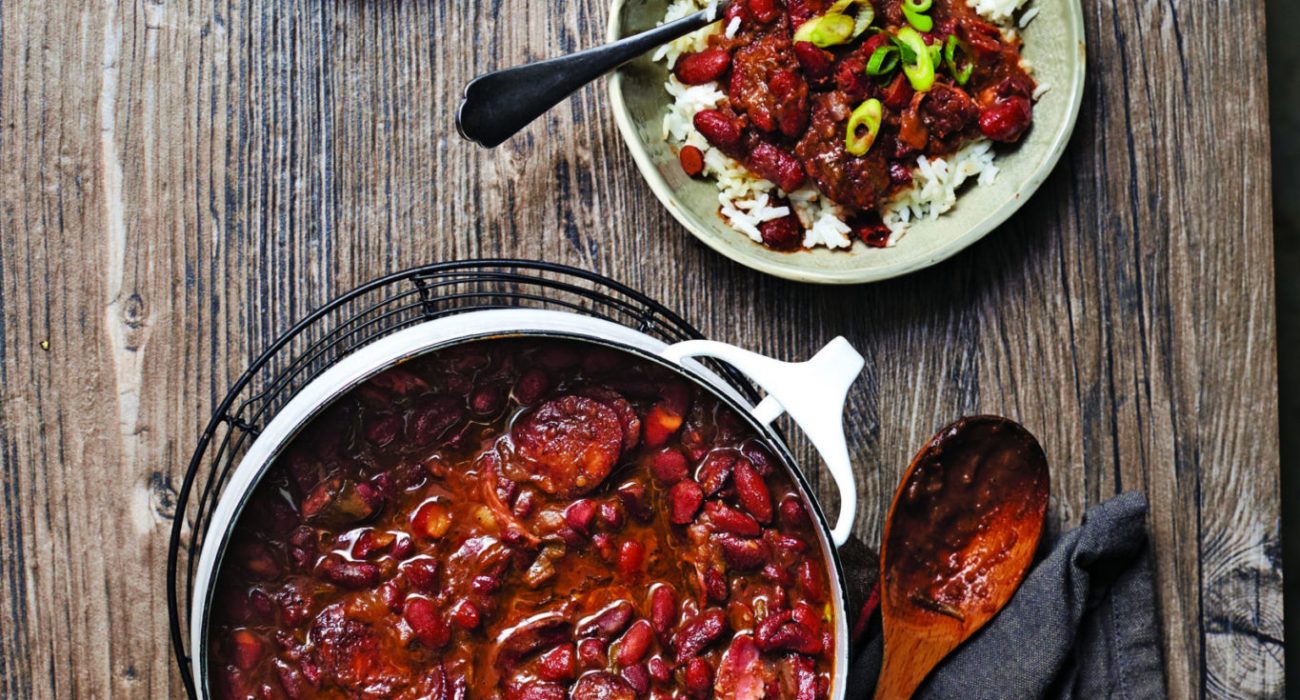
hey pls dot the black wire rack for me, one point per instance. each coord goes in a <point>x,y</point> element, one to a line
<point>356,319</point>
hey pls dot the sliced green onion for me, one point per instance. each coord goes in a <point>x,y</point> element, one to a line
<point>883,60</point>
<point>936,55</point>
<point>905,52</point>
<point>920,70</point>
<point>835,27</point>
<point>914,12</point>
<point>866,15</point>
<point>960,73</point>
<point>828,30</point>
<point>869,115</point>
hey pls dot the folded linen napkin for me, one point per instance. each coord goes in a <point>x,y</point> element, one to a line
<point>1083,624</point>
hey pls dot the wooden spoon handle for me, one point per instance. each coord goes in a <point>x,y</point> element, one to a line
<point>908,660</point>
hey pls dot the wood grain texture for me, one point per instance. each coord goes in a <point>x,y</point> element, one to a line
<point>184,179</point>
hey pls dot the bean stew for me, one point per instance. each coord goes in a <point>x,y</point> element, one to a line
<point>848,95</point>
<point>524,519</point>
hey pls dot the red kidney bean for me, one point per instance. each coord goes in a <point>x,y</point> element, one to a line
<point>742,553</point>
<point>785,233</point>
<point>261,603</point>
<point>703,67</point>
<point>531,387</point>
<point>422,572</point>
<point>382,430</point>
<point>602,686</point>
<point>810,583</point>
<point>402,547</point>
<point>715,585</point>
<point>349,574</point>
<point>759,457</point>
<point>728,519</point>
<point>793,515</point>
<point>537,633</point>
<point>663,608</point>
<point>633,497</point>
<point>752,491</point>
<point>637,677</point>
<point>699,678</point>
<point>669,466</point>
<point>579,515</point>
<point>466,615</point>
<point>421,616</point>
<point>787,546</point>
<point>558,664</point>
<point>635,643</point>
<point>692,160</point>
<point>487,401</point>
<point>391,595</point>
<point>608,621</point>
<point>1006,120</point>
<point>777,574</point>
<point>816,62</point>
<point>659,669</point>
<point>719,129</point>
<point>631,559</point>
<point>684,501</point>
<point>591,653</point>
<point>372,542</point>
<point>782,632</point>
<point>434,419</point>
<point>699,633</point>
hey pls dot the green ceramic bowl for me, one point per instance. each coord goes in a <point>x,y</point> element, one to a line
<point>1054,44</point>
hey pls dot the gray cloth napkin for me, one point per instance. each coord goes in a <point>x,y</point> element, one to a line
<point>1083,624</point>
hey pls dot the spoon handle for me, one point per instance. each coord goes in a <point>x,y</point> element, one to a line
<point>497,105</point>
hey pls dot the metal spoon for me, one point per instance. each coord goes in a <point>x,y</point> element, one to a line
<point>959,538</point>
<point>497,105</point>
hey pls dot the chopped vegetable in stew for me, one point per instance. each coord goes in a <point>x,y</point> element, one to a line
<point>525,520</point>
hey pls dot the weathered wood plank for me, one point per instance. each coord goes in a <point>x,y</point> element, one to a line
<point>185,179</point>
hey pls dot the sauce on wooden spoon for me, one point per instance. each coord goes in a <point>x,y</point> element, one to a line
<point>960,535</point>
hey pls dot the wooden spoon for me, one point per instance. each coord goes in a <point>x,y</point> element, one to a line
<point>959,538</point>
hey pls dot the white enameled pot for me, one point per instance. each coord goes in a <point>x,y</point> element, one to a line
<point>812,392</point>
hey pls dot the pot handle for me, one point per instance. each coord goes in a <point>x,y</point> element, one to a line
<point>812,392</point>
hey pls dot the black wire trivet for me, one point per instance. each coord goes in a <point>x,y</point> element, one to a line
<point>358,318</point>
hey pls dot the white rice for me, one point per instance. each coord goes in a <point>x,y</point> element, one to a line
<point>746,200</point>
<point>998,11</point>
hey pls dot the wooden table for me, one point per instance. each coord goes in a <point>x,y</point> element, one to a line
<point>183,180</point>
